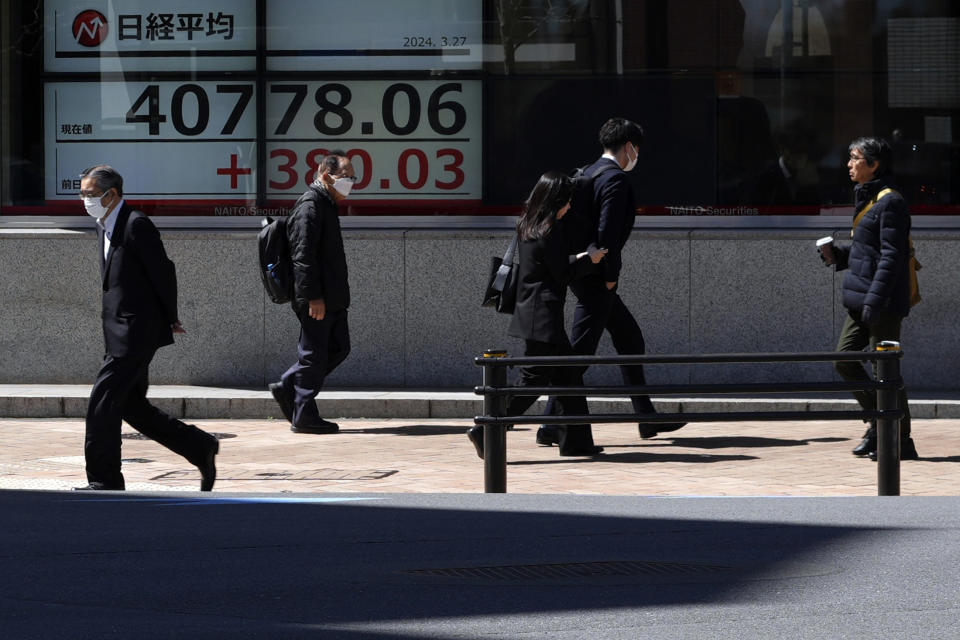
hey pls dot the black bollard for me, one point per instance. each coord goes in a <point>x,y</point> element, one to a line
<point>494,435</point>
<point>888,430</point>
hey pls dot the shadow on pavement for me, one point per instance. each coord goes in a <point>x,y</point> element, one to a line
<point>375,566</point>
<point>414,430</point>
<point>636,457</point>
<point>745,442</point>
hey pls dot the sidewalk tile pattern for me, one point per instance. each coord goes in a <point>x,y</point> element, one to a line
<point>434,456</point>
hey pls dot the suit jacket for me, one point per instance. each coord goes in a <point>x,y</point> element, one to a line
<point>545,269</point>
<point>139,287</point>
<point>615,210</point>
<point>316,251</point>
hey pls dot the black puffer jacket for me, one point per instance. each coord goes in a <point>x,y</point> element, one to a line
<point>878,257</point>
<point>316,250</point>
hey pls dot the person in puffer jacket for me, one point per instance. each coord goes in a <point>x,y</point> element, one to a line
<point>876,282</point>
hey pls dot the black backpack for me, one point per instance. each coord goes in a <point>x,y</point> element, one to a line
<point>276,269</point>
<point>581,220</point>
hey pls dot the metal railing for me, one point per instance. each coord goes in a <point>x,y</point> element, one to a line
<point>495,392</point>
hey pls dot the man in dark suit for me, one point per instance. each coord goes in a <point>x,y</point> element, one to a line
<point>599,306</point>
<point>139,316</point>
<point>321,294</point>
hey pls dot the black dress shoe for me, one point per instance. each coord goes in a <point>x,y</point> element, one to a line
<point>586,451</point>
<point>208,468</point>
<point>908,451</point>
<point>475,434</point>
<point>548,435</point>
<point>867,446</point>
<point>651,429</point>
<point>99,486</point>
<point>283,399</point>
<point>316,425</point>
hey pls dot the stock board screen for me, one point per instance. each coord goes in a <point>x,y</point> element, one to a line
<point>188,130</point>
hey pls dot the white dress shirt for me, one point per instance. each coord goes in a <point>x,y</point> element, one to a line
<point>108,227</point>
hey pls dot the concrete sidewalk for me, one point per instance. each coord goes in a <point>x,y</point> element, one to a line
<point>194,402</point>
<point>430,455</point>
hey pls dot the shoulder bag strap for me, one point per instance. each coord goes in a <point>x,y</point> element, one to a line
<point>869,206</point>
<point>511,250</point>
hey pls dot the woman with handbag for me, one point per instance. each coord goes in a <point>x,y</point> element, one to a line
<point>544,270</point>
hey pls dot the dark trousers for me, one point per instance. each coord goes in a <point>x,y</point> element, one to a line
<point>599,309</point>
<point>571,437</point>
<point>323,345</point>
<point>855,336</point>
<point>120,393</point>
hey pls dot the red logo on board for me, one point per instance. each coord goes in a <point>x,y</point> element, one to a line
<point>90,28</point>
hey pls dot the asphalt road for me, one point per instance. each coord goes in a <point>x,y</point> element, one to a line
<point>378,566</point>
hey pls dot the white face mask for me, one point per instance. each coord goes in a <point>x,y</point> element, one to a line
<point>94,208</point>
<point>631,163</point>
<point>343,186</point>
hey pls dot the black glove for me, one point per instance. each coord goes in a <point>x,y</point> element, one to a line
<point>867,315</point>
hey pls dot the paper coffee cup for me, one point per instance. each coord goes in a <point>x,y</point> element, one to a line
<point>825,247</point>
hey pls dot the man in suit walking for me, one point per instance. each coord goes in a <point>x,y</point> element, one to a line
<point>139,313</point>
<point>599,306</point>
<point>321,294</point>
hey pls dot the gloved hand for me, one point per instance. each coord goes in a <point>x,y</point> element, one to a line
<point>867,315</point>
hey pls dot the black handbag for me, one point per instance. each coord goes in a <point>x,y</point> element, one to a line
<point>501,291</point>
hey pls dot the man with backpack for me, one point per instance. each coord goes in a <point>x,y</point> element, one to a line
<point>604,216</point>
<point>320,294</point>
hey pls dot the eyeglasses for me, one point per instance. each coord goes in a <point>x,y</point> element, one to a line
<point>90,194</point>
<point>854,158</point>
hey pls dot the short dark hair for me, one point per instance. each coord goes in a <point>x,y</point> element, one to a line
<point>105,177</point>
<point>875,150</point>
<point>333,161</point>
<point>617,132</point>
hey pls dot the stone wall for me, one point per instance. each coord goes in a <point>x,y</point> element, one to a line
<point>416,319</point>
